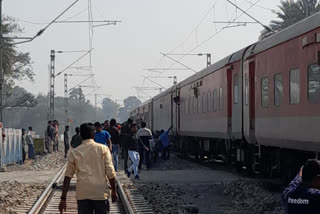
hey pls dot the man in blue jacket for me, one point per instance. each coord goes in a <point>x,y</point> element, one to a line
<point>302,195</point>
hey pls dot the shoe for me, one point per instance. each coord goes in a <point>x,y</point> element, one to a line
<point>128,174</point>
<point>137,177</point>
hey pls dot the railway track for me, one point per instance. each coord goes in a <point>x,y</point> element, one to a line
<point>130,200</point>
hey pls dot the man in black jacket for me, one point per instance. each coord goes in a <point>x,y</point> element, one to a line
<point>124,138</point>
<point>115,138</point>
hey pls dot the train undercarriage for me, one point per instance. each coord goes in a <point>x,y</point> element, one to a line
<point>255,159</point>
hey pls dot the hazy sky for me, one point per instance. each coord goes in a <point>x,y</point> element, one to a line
<point>121,52</point>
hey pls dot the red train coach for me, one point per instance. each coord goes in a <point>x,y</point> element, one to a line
<point>258,107</point>
<point>281,87</point>
<point>206,121</point>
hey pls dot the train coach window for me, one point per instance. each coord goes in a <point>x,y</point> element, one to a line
<point>195,104</point>
<point>265,92</point>
<point>199,100</point>
<point>295,86</point>
<point>220,98</point>
<point>215,99</point>
<point>209,101</point>
<point>278,89</point>
<point>314,83</point>
<point>236,89</point>
<point>204,103</point>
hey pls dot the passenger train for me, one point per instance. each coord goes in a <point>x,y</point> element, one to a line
<point>258,107</point>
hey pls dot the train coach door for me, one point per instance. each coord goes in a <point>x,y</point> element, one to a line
<point>229,99</point>
<point>178,112</point>
<point>252,102</point>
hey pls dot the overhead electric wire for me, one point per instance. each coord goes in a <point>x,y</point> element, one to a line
<point>259,6</point>
<point>79,83</point>
<point>216,33</point>
<point>77,60</point>
<point>266,27</point>
<point>188,36</point>
<point>47,26</point>
<point>82,11</point>
<point>204,17</point>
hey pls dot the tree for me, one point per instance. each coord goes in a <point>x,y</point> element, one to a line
<point>77,94</point>
<point>129,104</point>
<point>109,107</point>
<point>291,11</point>
<point>17,65</point>
<point>19,98</point>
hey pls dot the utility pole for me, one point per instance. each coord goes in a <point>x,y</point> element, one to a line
<point>175,81</point>
<point>80,97</point>
<point>208,59</point>
<point>66,97</point>
<point>95,106</point>
<point>52,78</point>
<point>1,64</point>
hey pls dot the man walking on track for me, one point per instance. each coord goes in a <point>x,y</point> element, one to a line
<point>92,162</point>
<point>115,138</point>
<point>144,136</point>
<point>124,139</point>
<point>102,136</point>
<point>133,152</point>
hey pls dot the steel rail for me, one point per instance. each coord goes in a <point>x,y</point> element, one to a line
<point>36,208</point>
<point>124,199</point>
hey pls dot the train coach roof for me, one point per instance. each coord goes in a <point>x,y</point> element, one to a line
<point>290,32</point>
<point>236,56</point>
<point>162,94</point>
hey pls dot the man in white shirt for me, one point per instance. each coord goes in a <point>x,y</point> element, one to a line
<point>144,136</point>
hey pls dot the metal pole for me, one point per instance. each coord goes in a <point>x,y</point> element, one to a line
<point>66,98</point>
<point>80,97</point>
<point>1,63</point>
<point>115,109</point>
<point>208,60</point>
<point>52,78</point>
<point>95,105</point>
<point>175,80</point>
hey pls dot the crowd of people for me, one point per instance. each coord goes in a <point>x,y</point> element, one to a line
<point>95,157</point>
<point>129,140</point>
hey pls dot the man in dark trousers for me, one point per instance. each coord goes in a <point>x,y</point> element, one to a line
<point>132,146</point>
<point>165,142</point>
<point>23,140</point>
<point>302,196</point>
<point>125,137</point>
<point>92,162</point>
<point>29,140</point>
<point>76,139</point>
<point>66,141</point>
<point>51,136</point>
<point>115,138</point>
<point>144,136</point>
